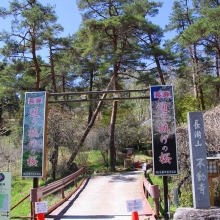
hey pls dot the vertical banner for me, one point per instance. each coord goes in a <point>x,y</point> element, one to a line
<point>199,167</point>
<point>163,130</point>
<point>5,195</point>
<point>34,135</point>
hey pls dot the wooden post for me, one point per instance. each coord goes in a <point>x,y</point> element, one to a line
<point>155,194</point>
<point>157,207</point>
<point>146,192</point>
<point>32,210</point>
<point>62,191</point>
<point>35,185</point>
<point>211,192</point>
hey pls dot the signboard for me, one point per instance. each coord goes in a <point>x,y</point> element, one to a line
<point>134,205</point>
<point>34,135</point>
<point>176,196</point>
<point>163,130</point>
<point>5,195</point>
<point>199,170</point>
<point>144,167</point>
<point>41,207</point>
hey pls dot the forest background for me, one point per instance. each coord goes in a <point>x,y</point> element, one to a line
<point>117,46</point>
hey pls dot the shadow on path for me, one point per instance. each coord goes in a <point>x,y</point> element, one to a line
<point>128,177</point>
<point>125,177</point>
<point>92,216</point>
<point>69,205</point>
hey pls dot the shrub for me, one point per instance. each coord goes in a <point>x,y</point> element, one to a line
<point>186,199</point>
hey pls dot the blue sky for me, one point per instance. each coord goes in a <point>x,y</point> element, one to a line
<point>66,10</point>
<point>69,16</point>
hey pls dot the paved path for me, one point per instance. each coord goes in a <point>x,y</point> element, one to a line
<point>104,197</point>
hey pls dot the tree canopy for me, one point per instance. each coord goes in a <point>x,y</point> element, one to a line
<point>116,47</point>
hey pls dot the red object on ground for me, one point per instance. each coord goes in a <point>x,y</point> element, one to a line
<point>40,216</point>
<point>138,164</point>
<point>135,216</point>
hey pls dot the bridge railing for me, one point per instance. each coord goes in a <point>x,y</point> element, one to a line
<point>46,190</point>
<point>37,194</point>
<point>153,191</point>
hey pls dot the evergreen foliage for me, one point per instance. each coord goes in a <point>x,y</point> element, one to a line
<point>116,39</point>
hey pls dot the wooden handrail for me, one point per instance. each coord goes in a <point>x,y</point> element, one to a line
<point>154,192</point>
<point>37,193</point>
<point>20,202</point>
<point>50,188</point>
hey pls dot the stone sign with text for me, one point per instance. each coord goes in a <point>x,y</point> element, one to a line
<point>199,167</point>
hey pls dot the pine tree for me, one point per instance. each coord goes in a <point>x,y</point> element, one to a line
<point>30,24</point>
<point>112,27</point>
<point>205,32</point>
<point>182,17</point>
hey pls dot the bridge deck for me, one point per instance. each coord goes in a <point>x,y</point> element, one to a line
<point>104,197</point>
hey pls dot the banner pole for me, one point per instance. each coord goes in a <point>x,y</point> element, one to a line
<point>35,185</point>
<point>165,190</point>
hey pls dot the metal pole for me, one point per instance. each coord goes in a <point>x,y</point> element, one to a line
<point>165,190</point>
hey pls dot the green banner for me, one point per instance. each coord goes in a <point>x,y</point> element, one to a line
<point>33,143</point>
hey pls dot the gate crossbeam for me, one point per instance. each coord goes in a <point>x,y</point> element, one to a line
<point>88,96</point>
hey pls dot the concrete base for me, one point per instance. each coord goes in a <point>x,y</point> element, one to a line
<point>202,214</point>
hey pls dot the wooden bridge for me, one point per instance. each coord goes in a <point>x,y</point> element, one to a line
<point>98,197</point>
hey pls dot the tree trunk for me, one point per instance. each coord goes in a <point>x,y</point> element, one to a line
<point>201,96</point>
<point>217,75</point>
<point>195,89</point>
<point>90,96</point>
<point>159,70</point>
<point>54,160</point>
<point>196,63</point>
<point>53,73</point>
<point>86,132</point>
<point>36,65</point>
<point>157,63</point>
<point>112,136</point>
<point>63,85</point>
<point>192,56</point>
<point>112,123</point>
